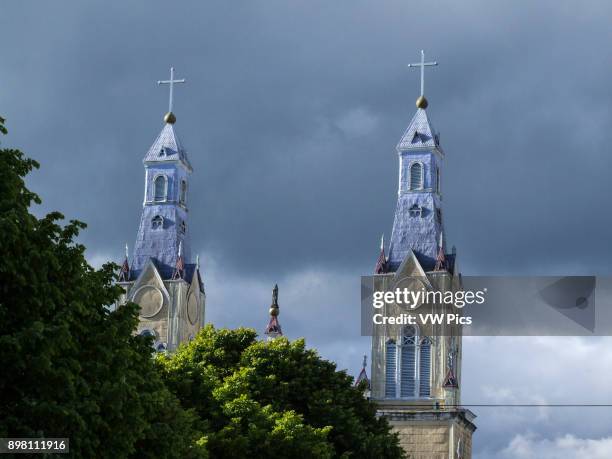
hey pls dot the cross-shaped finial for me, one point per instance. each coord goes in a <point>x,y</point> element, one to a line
<point>423,64</point>
<point>171,82</point>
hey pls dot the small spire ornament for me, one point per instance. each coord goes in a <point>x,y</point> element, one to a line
<point>124,273</point>
<point>421,101</point>
<point>169,117</point>
<point>273,329</point>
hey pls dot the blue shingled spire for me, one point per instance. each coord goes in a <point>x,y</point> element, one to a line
<point>418,216</point>
<point>163,224</point>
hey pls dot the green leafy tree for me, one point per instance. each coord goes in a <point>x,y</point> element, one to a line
<point>69,366</point>
<point>273,399</point>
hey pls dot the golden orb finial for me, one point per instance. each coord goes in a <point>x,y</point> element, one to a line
<point>170,118</point>
<point>274,311</point>
<point>421,102</point>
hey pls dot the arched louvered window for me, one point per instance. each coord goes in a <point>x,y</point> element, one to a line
<point>425,368</point>
<point>408,366</point>
<point>183,195</point>
<point>160,188</point>
<point>408,362</point>
<point>390,369</point>
<point>416,176</point>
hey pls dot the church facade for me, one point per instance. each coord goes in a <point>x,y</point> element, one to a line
<point>416,370</point>
<point>161,277</point>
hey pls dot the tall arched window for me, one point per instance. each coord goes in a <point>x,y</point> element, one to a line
<point>390,369</point>
<point>425,368</point>
<point>408,365</point>
<point>438,180</point>
<point>408,362</point>
<point>183,194</point>
<point>416,176</point>
<point>160,188</point>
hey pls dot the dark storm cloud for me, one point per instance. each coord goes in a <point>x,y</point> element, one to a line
<point>291,114</point>
<point>292,111</point>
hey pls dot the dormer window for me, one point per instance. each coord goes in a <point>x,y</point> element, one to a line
<point>160,187</point>
<point>416,176</point>
<point>183,227</point>
<point>415,211</point>
<point>420,137</point>
<point>157,222</point>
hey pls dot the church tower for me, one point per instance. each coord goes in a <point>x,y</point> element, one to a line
<point>416,369</point>
<point>161,278</point>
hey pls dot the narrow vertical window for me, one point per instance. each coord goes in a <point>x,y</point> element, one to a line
<point>183,195</point>
<point>416,176</point>
<point>390,369</point>
<point>159,188</point>
<point>438,180</point>
<point>408,362</point>
<point>425,368</point>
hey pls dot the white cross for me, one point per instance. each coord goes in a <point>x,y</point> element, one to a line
<point>423,64</point>
<point>171,82</point>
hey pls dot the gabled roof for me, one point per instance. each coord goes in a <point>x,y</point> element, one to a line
<point>167,147</point>
<point>420,133</point>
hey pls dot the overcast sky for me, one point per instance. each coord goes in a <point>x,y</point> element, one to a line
<point>291,113</point>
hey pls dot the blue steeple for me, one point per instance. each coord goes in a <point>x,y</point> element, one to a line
<point>417,225</point>
<point>164,221</point>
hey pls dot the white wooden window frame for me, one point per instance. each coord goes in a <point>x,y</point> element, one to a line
<point>165,197</point>
<point>421,186</point>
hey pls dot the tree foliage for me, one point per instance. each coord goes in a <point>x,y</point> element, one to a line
<point>273,399</point>
<point>70,366</point>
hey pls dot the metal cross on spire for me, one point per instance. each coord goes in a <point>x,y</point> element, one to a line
<point>422,65</point>
<point>171,82</point>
